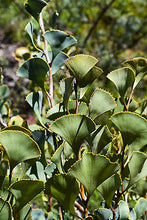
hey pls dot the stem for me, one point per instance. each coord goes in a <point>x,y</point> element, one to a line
<point>60,212</point>
<point>50,95</point>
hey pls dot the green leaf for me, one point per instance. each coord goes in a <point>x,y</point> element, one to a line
<point>83,68</point>
<point>24,191</point>
<point>56,158</point>
<point>29,30</point>
<point>3,170</point>
<point>5,210</point>
<point>64,188</point>
<point>92,170</point>
<point>49,170</point>
<point>34,7</point>
<point>58,62</point>
<point>123,210</point>
<point>66,86</point>
<point>24,146</point>
<point>123,78</point>
<point>59,110</point>
<point>24,213</point>
<point>100,103</point>
<point>37,214</point>
<point>35,100</point>
<point>141,207</point>
<point>108,188</point>
<point>4,92</point>
<point>37,171</point>
<point>100,138</point>
<point>138,167</point>
<point>39,137</point>
<point>18,128</point>
<point>34,69</point>
<point>139,66</point>
<point>132,215</point>
<point>59,40</point>
<point>133,128</point>
<point>104,214</point>
<point>74,129</point>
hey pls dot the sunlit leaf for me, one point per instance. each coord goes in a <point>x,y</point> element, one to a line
<point>92,170</point>
<point>108,188</point>
<point>49,170</point>
<point>132,127</point>
<point>5,210</point>
<point>138,167</point>
<point>139,66</point>
<point>59,40</point>
<point>73,128</point>
<point>34,69</point>
<point>24,146</point>
<point>123,210</point>
<point>83,68</point>
<point>100,103</point>
<point>37,214</point>
<point>141,207</point>
<point>64,188</point>
<point>122,78</point>
<point>25,190</point>
<point>58,62</point>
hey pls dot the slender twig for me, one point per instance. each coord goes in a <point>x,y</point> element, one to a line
<point>95,23</point>
<point>60,212</point>
<point>50,95</point>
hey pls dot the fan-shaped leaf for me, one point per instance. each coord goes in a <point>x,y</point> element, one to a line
<point>24,213</point>
<point>34,7</point>
<point>92,170</point>
<point>25,190</point>
<point>122,78</point>
<point>139,66</point>
<point>24,146</point>
<point>59,40</point>
<point>34,69</point>
<point>138,167</point>
<point>64,188</point>
<point>29,30</point>
<point>56,158</point>
<point>74,129</point>
<point>100,103</point>
<point>108,188</point>
<point>58,62</point>
<point>104,214</point>
<point>83,68</point>
<point>132,127</point>
<point>5,210</point>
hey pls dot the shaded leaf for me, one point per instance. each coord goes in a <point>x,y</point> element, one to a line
<point>37,171</point>
<point>81,128</point>
<point>25,147</point>
<point>92,170</point>
<point>58,62</point>
<point>66,86</point>
<point>34,7</point>
<point>138,167</point>
<point>100,103</point>
<point>49,170</point>
<point>65,189</point>
<point>24,213</point>
<point>132,215</point>
<point>122,78</point>
<point>100,138</point>
<point>3,171</point>
<point>56,158</point>
<point>25,190</point>
<point>108,188</point>
<point>59,40</point>
<point>34,69</point>
<point>5,210</point>
<point>37,214</point>
<point>4,92</point>
<point>123,210</point>
<point>29,30</point>
<point>132,127</point>
<point>35,100</point>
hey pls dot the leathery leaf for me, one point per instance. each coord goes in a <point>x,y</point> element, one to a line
<point>132,127</point>
<point>92,170</point>
<point>74,128</point>
<point>64,188</point>
<point>24,146</point>
<point>5,209</point>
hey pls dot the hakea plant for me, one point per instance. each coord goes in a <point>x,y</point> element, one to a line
<point>86,158</point>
